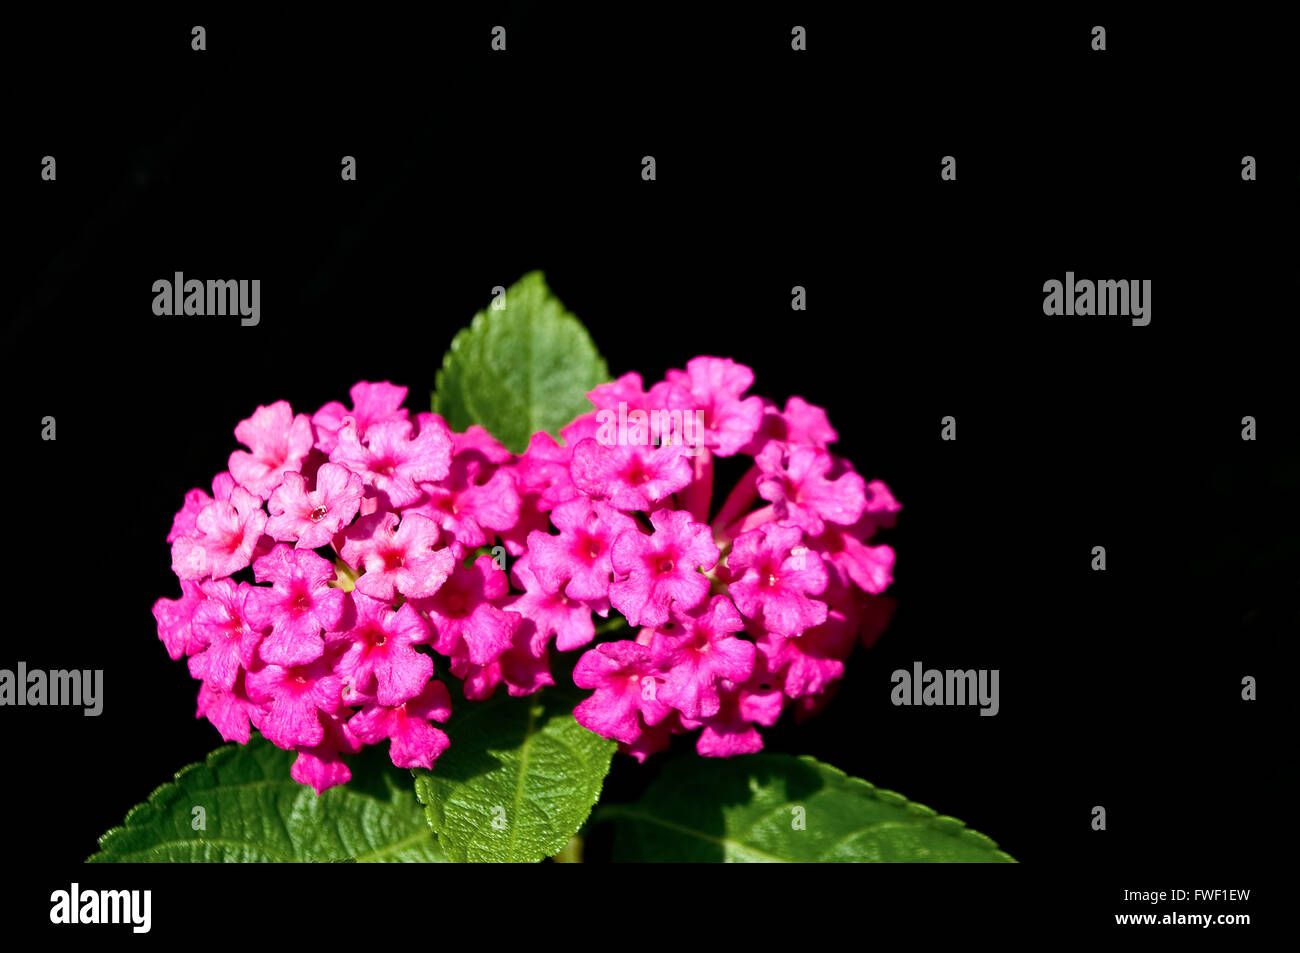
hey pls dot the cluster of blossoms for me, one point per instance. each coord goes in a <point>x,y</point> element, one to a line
<point>364,535</point>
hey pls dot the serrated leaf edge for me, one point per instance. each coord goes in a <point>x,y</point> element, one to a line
<point>942,823</point>
<point>162,796</point>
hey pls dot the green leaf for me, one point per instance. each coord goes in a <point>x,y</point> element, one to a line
<point>254,811</point>
<point>746,809</point>
<point>519,778</point>
<point>519,370</point>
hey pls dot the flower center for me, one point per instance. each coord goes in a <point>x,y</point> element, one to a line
<point>665,564</point>
<point>317,514</point>
<point>636,474</point>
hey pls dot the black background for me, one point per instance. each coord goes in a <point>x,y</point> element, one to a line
<point>774,169</point>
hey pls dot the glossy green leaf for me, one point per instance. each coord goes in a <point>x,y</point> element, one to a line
<point>779,808</point>
<point>519,778</point>
<point>519,370</point>
<point>241,805</point>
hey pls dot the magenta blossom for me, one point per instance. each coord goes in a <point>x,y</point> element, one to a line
<point>228,532</point>
<point>295,697</point>
<point>279,442</point>
<point>397,558</point>
<point>465,616</point>
<point>377,657</point>
<point>630,477</point>
<point>413,741</point>
<point>778,575</point>
<point>229,642</point>
<point>299,605</point>
<point>391,460</point>
<point>312,519</point>
<point>717,386</point>
<point>699,653</point>
<point>622,674</point>
<point>371,404</point>
<point>662,570</point>
<point>579,559</point>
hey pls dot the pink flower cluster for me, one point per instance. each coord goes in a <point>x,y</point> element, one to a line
<point>739,612</point>
<point>356,523</point>
<point>365,537</point>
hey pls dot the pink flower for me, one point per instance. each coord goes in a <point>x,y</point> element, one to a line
<point>477,442</point>
<point>800,423</point>
<point>653,738</point>
<point>579,558</point>
<point>629,477</point>
<point>794,479</point>
<point>321,765</point>
<point>522,672</point>
<point>292,700</point>
<point>572,434</point>
<point>230,644</point>
<point>697,653</point>
<point>223,484</point>
<point>183,523</point>
<point>466,621</point>
<point>550,614</point>
<point>473,502</point>
<point>413,742</point>
<point>627,389</point>
<point>870,568</point>
<point>621,700</point>
<point>531,519</point>
<point>717,386</point>
<point>881,511</point>
<point>228,534</point>
<point>299,604</point>
<point>808,663</point>
<point>229,712</point>
<point>279,442</point>
<point>661,570</point>
<point>543,470</point>
<point>312,519</point>
<point>808,424</point>
<point>371,404</point>
<point>776,574</point>
<point>397,558</point>
<point>175,619</point>
<point>391,461</point>
<point>378,658</point>
<point>731,731</point>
